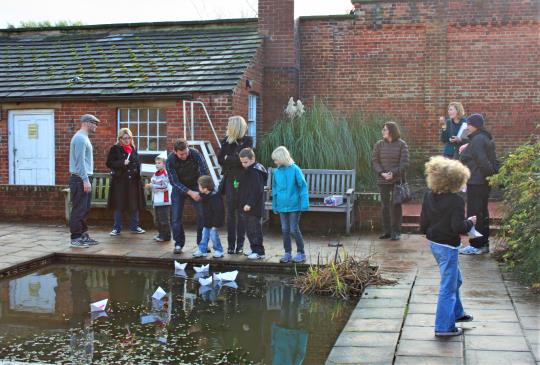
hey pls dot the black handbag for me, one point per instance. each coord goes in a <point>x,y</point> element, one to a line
<point>402,192</point>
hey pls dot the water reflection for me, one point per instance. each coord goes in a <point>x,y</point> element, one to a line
<point>258,319</point>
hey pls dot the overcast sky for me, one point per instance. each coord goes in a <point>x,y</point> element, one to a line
<point>129,11</point>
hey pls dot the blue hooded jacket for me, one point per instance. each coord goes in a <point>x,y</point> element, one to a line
<point>289,190</point>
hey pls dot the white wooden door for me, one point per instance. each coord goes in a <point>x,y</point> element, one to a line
<point>31,147</point>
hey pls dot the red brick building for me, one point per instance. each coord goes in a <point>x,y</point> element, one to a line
<point>406,59</point>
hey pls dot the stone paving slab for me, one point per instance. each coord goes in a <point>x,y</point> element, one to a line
<point>361,355</point>
<point>430,348</point>
<point>479,357</point>
<point>496,343</point>
<point>426,360</point>
<point>367,339</point>
<point>424,334</point>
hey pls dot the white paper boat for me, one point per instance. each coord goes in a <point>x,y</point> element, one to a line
<point>96,315</point>
<point>205,281</point>
<point>227,276</point>
<point>202,268</point>
<point>231,284</point>
<point>204,289</point>
<point>159,293</point>
<point>98,306</point>
<point>179,266</point>
<point>473,233</point>
<point>180,273</point>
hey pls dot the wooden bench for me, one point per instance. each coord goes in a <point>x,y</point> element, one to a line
<point>322,183</point>
<point>100,193</point>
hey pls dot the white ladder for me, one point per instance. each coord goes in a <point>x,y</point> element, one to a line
<point>205,147</point>
<point>210,158</point>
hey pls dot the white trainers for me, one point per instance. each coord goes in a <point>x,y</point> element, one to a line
<point>114,232</point>
<point>198,253</point>
<point>218,254</point>
<point>138,230</point>
<point>255,256</point>
<point>247,253</point>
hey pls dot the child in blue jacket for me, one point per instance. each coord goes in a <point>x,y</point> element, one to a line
<point>289,199</point>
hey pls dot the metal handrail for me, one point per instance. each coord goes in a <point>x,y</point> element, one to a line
<point>192,109</point>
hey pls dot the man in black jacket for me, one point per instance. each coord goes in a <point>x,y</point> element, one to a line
<point>479,156</point>
<point>184,167</point>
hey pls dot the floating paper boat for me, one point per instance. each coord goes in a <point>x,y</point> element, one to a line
<point>96,315</point>
<point>230,284</point>
<point>227,276</point>
<point>159,293</point>
<point>205,281</point>
<point>202,268</point>
<point>98,306</point>
<point>180,273</point>
<point>179,266</point>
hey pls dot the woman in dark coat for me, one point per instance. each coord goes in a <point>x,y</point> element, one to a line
<point>450,129</point>
<point>390,161</point>
<point>231,146</point>
<point>126,193</point>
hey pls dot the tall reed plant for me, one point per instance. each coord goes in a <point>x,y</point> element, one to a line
<point>321,139</point>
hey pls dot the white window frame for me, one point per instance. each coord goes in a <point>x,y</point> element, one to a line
<point>252,117</point>
<point>137,137</point>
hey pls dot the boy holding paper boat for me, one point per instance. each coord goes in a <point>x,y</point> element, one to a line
<point>443,220</point>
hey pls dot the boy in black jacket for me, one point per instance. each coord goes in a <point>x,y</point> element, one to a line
<point>251,200</point>
<point>443,220</point>
<point>213,217</point>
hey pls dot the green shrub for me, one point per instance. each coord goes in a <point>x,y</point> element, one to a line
<point>320,139</point>
<point>520,230</point>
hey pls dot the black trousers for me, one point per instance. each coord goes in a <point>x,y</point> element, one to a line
<point>163,221</point>
<point>253,232</point>
<point>236,231</point>
<point>80,207</point>
<point>391,214</point>
<point>477,204</point>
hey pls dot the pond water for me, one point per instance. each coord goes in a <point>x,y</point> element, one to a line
<point>258,319</point>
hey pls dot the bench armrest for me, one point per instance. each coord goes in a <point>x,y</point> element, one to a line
<point>350,191</point>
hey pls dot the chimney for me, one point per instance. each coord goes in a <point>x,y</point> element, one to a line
<point>277,26</point>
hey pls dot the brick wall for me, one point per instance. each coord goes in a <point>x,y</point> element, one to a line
<point>32,202</point>
<point>409,59</point>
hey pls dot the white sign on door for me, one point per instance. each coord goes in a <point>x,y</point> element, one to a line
<point>31,147</point>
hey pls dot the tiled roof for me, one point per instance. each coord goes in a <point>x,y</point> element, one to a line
<point>134,60</point>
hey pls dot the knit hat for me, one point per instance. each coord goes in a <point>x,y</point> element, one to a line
<point>476,120</point>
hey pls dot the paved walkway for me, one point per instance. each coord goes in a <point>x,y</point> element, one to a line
<point>391,325</point>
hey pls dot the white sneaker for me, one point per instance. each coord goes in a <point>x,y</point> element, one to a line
<point>198,253</point>
<point>218,254</point>
<point>255,256</point>
<point>247,253</point>
<point>114,232</point>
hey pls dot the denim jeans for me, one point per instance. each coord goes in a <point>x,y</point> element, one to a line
<point>178,200</point>
<point>253,232</point>
<point>290,227</point>
<point>449,306</point>
<point>133,220</point>
<point>80,207</point>
<point>210,234</point>
<point>236,232</point>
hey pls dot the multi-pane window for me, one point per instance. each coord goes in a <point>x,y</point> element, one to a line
<point>148,125</point>
<point>252,117</point>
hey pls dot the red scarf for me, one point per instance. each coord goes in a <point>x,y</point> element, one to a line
<point>166,192</point>
<point>127,148</point>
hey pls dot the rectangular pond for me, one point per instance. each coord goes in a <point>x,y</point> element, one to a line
<point>258,319</point>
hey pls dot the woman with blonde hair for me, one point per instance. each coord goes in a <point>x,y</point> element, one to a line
<point>450,129</point>
<point>442,220</point>
<point>234,141</point>
<point>289,198</point>
<point>126,192</point>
